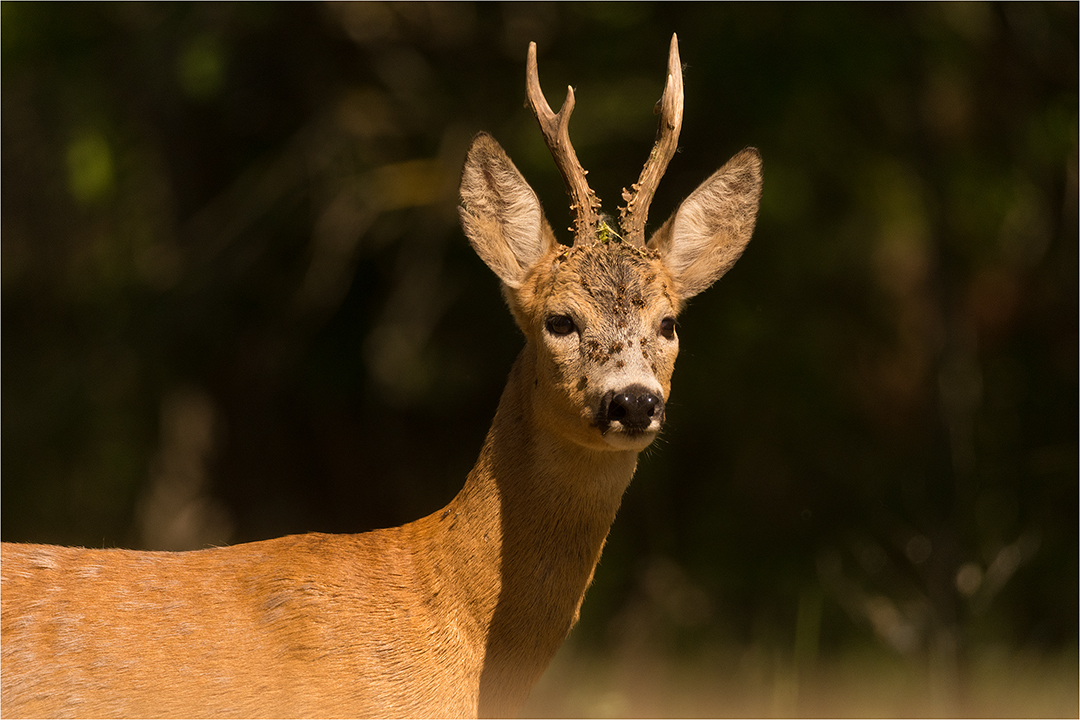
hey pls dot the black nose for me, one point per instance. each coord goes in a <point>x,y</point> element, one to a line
<point>635,408</point>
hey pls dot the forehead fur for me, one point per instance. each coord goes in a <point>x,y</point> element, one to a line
<point>617,277</point>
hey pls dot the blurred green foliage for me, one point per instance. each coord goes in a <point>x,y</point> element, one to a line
<point>237,304</point>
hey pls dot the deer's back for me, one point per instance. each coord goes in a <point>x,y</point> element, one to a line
<point>285,627</point>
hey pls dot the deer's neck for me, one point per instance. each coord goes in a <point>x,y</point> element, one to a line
<point>519,543</point>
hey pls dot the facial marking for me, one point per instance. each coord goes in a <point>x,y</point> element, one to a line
<point>610,288</point>
<point>617,297</point>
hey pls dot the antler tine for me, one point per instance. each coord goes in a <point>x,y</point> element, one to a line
<point>632,217</point>
<point>556,128</point>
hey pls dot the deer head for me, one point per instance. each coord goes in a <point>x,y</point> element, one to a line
<point>599,316</point>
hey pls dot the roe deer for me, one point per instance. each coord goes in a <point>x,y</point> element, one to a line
<point>455,614</point>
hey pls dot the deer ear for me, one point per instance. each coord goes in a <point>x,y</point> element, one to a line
<point>707,233</point>
<point>501,214</point>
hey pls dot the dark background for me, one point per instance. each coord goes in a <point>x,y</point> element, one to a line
<point>237,303</point>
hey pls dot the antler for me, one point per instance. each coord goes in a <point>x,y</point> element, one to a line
<point>583,201</point>
<point>632,217</point>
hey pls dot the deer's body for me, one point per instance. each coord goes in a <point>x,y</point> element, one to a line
<point>455,614</point>
<point>318,625</point>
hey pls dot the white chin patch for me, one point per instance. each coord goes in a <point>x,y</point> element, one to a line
<point>619,439</point>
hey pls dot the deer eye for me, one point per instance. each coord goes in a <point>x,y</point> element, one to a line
<point>560,325</point>
<point>667,327</point>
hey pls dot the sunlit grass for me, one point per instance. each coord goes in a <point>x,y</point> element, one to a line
<point>755,683</point>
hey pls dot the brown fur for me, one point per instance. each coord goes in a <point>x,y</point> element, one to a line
<point>455,614</point>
